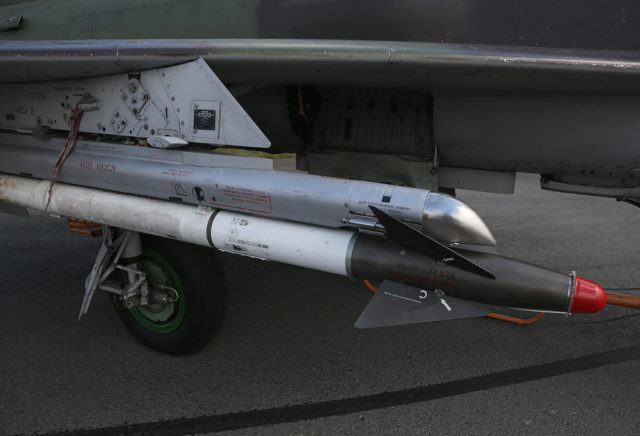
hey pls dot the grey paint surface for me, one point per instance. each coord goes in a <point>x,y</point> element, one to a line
<point>289,339</point>
<point>588,139</point>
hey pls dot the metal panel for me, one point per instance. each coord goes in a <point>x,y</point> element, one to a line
<point>620,193</point>
<point>501,182</point>
<point>575,138</point>
<point>186,101</point>
<point>383,168</point>
<point>373,120</point>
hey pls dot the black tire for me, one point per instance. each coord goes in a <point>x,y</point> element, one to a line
<point>190,323</point>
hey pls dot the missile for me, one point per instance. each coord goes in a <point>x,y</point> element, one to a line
<point>219,181</point>
<point>405,256</point>
<point>465,274</point>
<point>516,284</point>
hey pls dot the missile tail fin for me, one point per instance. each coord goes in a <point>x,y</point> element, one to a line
<point>415,240</point>
<point>398,304</point>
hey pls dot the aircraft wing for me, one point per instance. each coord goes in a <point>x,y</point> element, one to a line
<point>408,65</point>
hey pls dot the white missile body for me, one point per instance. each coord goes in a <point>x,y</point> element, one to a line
<point>297,244</point>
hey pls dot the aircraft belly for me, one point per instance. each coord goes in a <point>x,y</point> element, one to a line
<point>576,138</point>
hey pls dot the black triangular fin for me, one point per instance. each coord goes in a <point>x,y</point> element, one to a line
<point>415,240</point>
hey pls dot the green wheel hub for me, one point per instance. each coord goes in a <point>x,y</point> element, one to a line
<point>160,318</point>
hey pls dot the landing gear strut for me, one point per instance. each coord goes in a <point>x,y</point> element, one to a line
<point>169,294</point>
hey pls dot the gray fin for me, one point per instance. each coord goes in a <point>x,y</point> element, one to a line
<point>398,304</point>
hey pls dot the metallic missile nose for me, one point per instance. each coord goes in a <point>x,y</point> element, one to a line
<point>449,219</point>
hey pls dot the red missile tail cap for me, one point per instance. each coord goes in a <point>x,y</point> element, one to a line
<point>588,297</point>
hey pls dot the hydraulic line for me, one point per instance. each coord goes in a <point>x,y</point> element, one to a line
<point>77,225</point>
<point>515,320</point>
<point>623,300</point>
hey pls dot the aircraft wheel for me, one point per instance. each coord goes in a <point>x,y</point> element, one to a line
<point>188,324</point>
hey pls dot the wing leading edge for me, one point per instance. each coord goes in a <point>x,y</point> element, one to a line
<point>365,63</point>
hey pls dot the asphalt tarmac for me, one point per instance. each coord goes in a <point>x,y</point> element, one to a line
<point>288,361</point>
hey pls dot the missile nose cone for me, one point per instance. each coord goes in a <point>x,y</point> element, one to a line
<point>588,297</point>
<point>449,219</point>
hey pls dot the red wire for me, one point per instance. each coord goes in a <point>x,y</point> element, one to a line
<point>66,150</point>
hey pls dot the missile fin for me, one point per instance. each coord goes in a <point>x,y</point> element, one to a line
<point>414,239</point>
<point>398,304</point>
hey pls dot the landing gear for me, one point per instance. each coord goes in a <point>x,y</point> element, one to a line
<point>186,301</point>
<point>169,294</point>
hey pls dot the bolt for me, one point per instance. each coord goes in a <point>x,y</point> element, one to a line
<point>135,111</point>
<point>117,114</point>
<point>113,121</point>
<point>173,98</point>
<point>196,105</point>
<point>132,86</point>
<point>133,100</point>
<point>146,126</point>
<point>195,131</point>
<point>124,96</point>
<point>124,122</point>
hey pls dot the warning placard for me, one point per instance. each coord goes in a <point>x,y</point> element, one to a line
<point>245,199</point>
